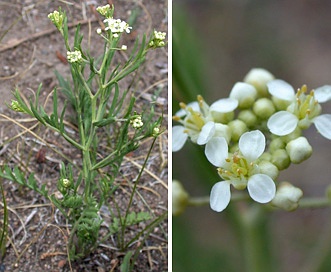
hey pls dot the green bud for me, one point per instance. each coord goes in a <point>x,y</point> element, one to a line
<point>238,128</point>
<point>280,104</point>
<point>287,196</point>
<point>266,156</point>
<point>248,117</point>
<point>264,108</point>
<point>103,10</point>
<point>222,117</point>
<point>15,105</point>
<point>299,150</point>
<point>276,144</point>
<point>179,198</point>
<point>57,18</point>
<point>292,136</point>
<point>269,169</point>
<point>281,159</point>
<point>259,78</point>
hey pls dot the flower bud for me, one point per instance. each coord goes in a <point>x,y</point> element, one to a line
<point>248,117</point>
<point>16,106</point>
<point>292,136</point>
<point>222,117</point>
<point>179,198</point>
<point>223,131</point>
<point>238,128</point>
<point>244,93</point>
<point>259,78</point>
<point>276,144</point>
<point>268,169</point>
<point>299,150</point>
<point>287,197</point>
<point>281,159</point>
<point>264,108</point>
<point>266,156</point>
<point>280,104</point>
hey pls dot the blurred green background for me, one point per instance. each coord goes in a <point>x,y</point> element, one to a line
<point>215,44</point>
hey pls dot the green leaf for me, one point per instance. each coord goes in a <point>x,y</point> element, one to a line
<point>125,266</point>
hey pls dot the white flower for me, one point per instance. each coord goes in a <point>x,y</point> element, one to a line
<point>303,109</point>
<point>159,35</point>
<point>198,122</point>
<point>239,169</point>
<point>137,122</point>
<point>117,26</point>
<point>75,56</point>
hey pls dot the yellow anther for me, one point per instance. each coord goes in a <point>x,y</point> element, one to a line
<point>175,118</point>
<point>182,105</point>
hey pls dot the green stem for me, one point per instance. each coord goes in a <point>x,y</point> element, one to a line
<point>304,203</point>
<point>105,160</point>
<point>135,187</point>
<point>204,200</point>
<point>256,240</point>
<point>126,70</point>
<point>317,202</point>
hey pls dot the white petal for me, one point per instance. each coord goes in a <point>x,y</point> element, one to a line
<point>323,94</point>
<point>245,94</point>
<point>194,105</point>
<point>224,105</point>
<point>178,138</point>
<point>216,151</point>
<point>323,125</point>
<point>261,188</point>
<point>220,196</point>
<point>207,132</point>
<point>281,89</point>
<point>252,144</point>
<point>282,123</point>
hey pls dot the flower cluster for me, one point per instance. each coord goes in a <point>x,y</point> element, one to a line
<point>254,134</point>
<point>157,39</point>
<point>57,18</point>
<point>136,122</point>
<point>104,10</point>
<point>117,26</point>
<point>16,106</point>
<point>74,56</point>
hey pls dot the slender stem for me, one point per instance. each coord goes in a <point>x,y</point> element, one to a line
<point>304,203</point>
<point>318,202</point>
<point>204,200</point>
<point>124,70</point>
<point>256,240</point>
<point>85,84</point>
<point>103,161</point>
<point>135,187</point>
